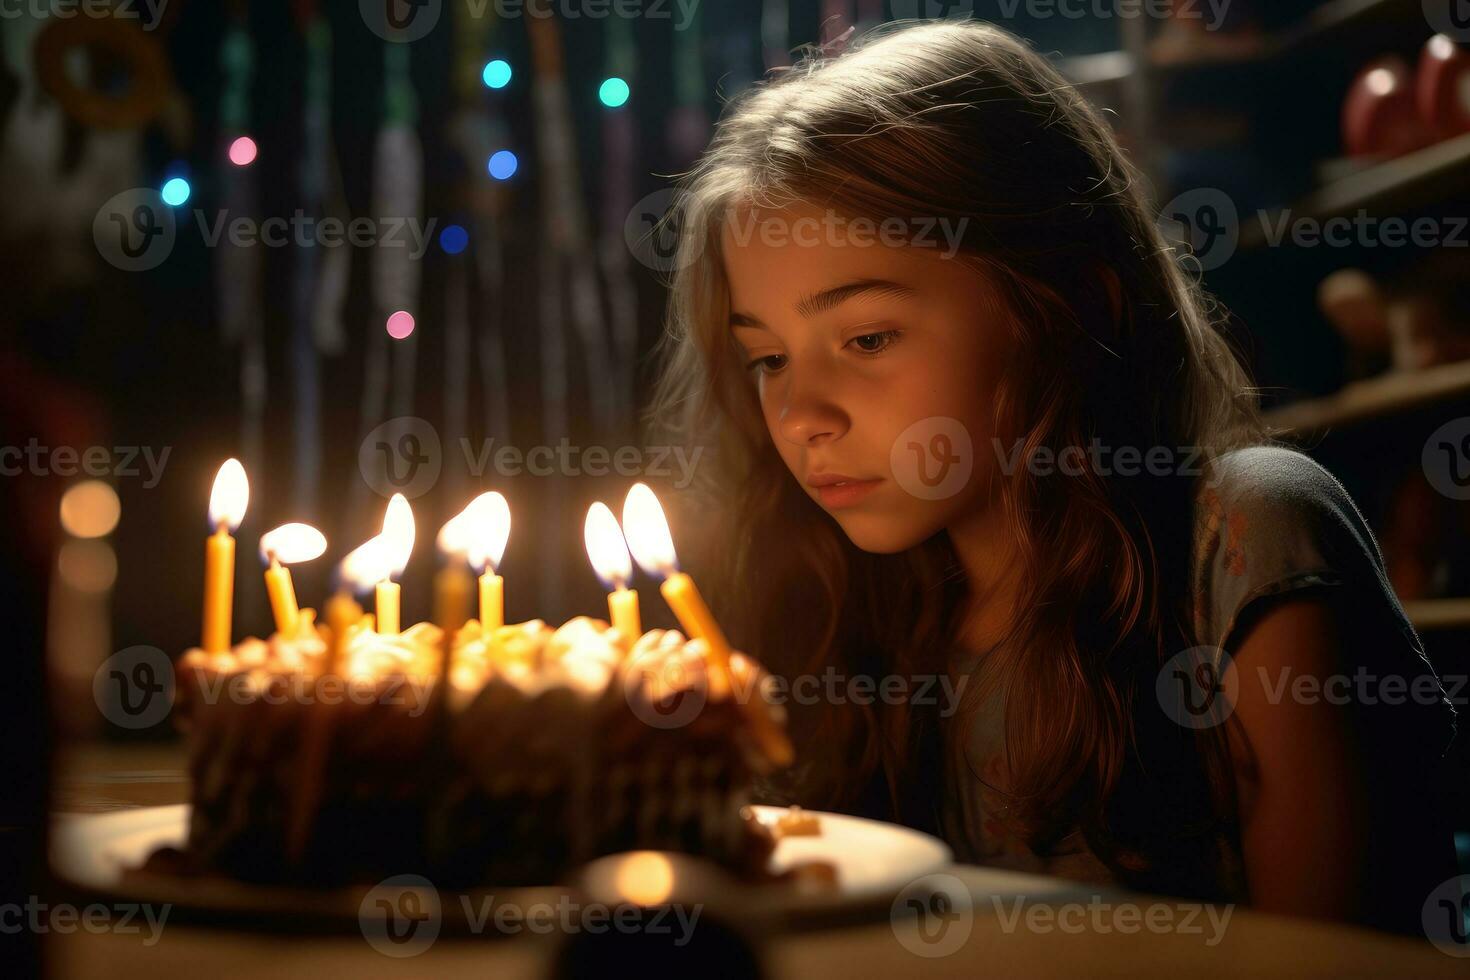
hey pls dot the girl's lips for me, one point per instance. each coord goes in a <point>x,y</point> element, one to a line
<point>845,493</point>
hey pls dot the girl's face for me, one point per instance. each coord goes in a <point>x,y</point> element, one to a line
<point>877,361</point>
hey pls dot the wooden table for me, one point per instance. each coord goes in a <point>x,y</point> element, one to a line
<point>1066,939</point>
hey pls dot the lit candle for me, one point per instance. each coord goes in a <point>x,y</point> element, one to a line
<point>364,567</point>
<point>649,539</point>
<point>608,552</point>
<point>287,545</point>
<point>397,543</point>
<point>489,533</point>
<point>452,582</point>
<point>227,502</point>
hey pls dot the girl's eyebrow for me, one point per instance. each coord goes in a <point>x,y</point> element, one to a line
<point>833,297</point>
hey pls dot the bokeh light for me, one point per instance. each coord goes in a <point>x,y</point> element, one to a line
<point>453,239</point>
<point>497,73</point>
<point>175,191</point>
<point>243,151</point>
<point>90,509</point>
<point>400,325</point>
<point>614,92</point>
<point>503,165</point>
<point>87,566</point>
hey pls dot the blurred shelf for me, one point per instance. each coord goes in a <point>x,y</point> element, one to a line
<point>1409,181</point>
<point>1321,27</point>
<point>1439,614</point>
<point>1378,397</point>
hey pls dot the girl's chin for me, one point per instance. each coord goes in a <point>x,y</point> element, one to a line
<point>882,534</point>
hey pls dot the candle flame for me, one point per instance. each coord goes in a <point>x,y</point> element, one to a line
<point>647,531</point>
<point>230,496</point>
<point>606,547</point>
<point>292,543</point>
<point>490,530</point>
<point>365,566</point>
<point>397,534</point>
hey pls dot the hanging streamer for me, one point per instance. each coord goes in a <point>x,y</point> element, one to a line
<point>567,258</point>
<point>618,185</point>
<point>690,127</point>
<point>314,177</point>
<point>776,33</point>
<point>237,268</point>
<point>397,195</point>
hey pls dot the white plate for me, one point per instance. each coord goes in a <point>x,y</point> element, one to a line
<point>874,861</point>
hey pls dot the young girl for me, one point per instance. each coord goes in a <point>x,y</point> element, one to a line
<point>984,476</point>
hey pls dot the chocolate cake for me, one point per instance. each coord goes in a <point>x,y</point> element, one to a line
<point>329,760</point>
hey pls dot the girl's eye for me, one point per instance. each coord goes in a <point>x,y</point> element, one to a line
<point>769,364</point>
<point>875,343</point>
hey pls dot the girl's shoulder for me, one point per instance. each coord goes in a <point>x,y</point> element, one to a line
<point>1270,521</point>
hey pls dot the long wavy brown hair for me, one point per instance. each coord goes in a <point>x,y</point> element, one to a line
<point>961,120</point>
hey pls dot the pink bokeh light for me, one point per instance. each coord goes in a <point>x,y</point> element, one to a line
<point>400,325</point>
<point>242,151</point>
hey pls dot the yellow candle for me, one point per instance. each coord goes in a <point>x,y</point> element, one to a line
<point>283,597</point>
<point>342,612</point>
<point>387,605</point>
<point>694,615</point>
<point>219,590</point>
<point>452,594</point>
<point>492,602</point>
<point>228,499</point>
<point>622,608</point>
<point>689,606</point>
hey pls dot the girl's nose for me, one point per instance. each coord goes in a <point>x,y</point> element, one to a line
<point>809,419</point>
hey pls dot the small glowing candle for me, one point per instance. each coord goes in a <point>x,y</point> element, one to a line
<point>648,537</point>
<point>489,533</point>
<point>287,545</point>
<point>364,567</point>
<point>608,551</point>
<point>343,613</point>
<point>227,502</point>
<point>452,582</point>
<point>397,543</point>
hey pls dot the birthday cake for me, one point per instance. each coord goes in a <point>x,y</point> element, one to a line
<point>334,756</point>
